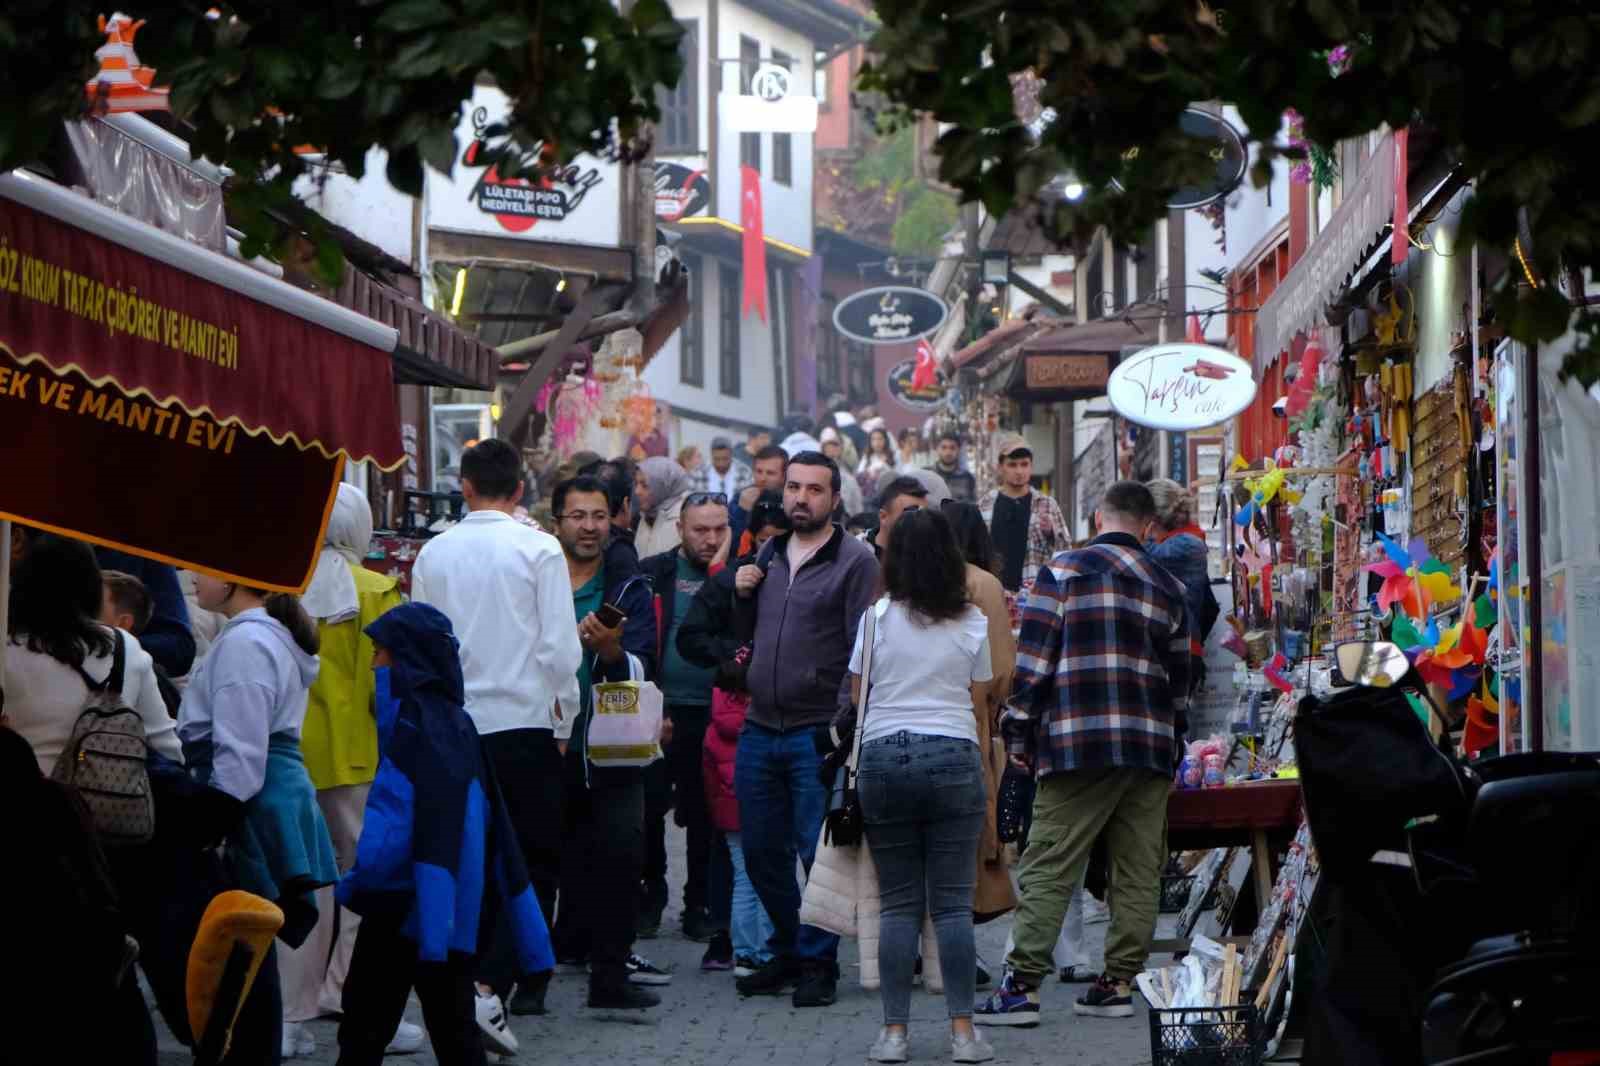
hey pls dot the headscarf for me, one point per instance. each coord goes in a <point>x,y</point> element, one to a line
<point>331,597</point>
<point>667,481</point>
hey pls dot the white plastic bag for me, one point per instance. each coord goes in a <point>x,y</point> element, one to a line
<point>625,729</point>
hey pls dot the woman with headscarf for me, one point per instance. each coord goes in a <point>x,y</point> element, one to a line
<point>659,489</point>
<point>339,743</point>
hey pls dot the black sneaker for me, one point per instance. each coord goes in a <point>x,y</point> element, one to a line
<point>697,925</point>
<point>1106,998</point>
<point>773,978</point>
<point>627,997</point>
<point>1077,975</point>
<point>641,971</point>
<point>818,986</point>
<point>529,999</point>
<point>719,954</point>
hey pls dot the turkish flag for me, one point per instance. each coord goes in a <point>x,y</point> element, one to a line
<point>755,244</point>
<point>926,373</point>
<point>1400,245</point>
<point>1196,333</point>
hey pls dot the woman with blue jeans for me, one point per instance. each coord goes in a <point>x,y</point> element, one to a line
<point>920,777</point>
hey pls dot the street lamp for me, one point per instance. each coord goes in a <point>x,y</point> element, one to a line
<point>995,267</point>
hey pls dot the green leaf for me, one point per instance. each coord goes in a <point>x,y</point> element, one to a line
<point>407,16</point>
<point>417,59</point>
<point>338,80</point>
<point>438,147</point>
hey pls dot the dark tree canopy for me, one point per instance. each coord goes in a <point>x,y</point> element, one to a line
<point>1511,88</point>
<point>262,78</point>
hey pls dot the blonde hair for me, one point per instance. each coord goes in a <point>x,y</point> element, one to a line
<point>1174,506</point>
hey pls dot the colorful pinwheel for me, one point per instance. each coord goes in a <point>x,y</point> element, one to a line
<point>1412,578</point>
<point>1451,658</point>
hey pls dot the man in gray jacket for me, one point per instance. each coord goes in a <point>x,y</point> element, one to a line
<point>802,600</point>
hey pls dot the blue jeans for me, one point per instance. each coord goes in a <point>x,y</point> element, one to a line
<point>922,797</point>
<point>781,804</point>
<point>751,928</point>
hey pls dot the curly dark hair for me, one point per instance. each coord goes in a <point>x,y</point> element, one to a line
<point>923,569</point>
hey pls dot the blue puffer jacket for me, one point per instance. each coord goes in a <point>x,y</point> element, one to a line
<point>444,856</point>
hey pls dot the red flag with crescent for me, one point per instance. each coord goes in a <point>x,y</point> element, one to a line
<point>925,375</point>
<point>755,244</point>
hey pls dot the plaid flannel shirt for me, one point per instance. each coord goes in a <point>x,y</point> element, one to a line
<point>1047,532</point>
<point>1102,664</point>
<point>736,480</point>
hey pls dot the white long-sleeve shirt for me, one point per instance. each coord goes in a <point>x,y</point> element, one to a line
<point>504,586</point>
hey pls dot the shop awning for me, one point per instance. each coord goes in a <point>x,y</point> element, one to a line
<point>1302,298</point>
<point>1072,362</point>
<point>429,348</point>
<point>167,400</point>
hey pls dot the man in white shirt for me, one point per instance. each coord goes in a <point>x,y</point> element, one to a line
<point>504,586</point>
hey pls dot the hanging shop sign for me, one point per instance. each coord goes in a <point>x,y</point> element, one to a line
<point>681,192</point>
<point>1226,147</point>
<point>1181,386</point>
<point>904,389</point>
<point>575,203</point>
<point>892,314</point>
<point>1064,377</point>
<point>769,105</point>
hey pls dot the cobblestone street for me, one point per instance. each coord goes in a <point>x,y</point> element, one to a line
<point>703,1022</point>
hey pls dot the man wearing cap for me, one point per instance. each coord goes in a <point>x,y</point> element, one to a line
<point>723,473</point>
<point>1027,526</point>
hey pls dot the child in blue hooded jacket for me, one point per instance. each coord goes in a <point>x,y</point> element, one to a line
<point>431,877</point>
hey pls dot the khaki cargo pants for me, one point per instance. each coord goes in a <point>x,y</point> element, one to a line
<point>1070,811</point>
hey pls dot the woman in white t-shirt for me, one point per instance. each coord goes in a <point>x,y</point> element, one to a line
<point>57,647</point>
<point>921,778</point>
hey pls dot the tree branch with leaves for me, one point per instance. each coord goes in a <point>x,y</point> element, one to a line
<point>1511,89</point>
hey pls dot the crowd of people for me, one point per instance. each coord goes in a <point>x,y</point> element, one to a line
<point>411,781</point>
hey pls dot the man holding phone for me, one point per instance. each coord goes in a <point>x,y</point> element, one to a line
<point>677,576</point>
<point>602,833</point>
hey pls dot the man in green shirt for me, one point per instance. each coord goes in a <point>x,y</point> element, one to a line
<point>603,830</point>
<point>677,575</point>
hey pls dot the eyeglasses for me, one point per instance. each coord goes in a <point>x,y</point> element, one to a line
<point>700,499</point>
<point>584,516</point>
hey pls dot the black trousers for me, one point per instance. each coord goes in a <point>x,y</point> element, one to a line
<point>657,802</point>
<point>530,769</point>
<point>685,756</point>
<point>383,970</point>
<point>602,849</point>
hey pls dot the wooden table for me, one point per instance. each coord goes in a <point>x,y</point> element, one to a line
<point>1262,816</point>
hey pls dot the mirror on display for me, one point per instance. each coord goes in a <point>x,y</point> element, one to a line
<point>1374,663</point>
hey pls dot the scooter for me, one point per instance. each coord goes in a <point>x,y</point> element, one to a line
<point>1463,917</point>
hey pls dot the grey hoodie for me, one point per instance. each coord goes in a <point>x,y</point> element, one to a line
<point>804,630</point>
<point>251,685</point>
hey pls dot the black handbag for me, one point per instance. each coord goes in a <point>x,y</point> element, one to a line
<point>844,825</point>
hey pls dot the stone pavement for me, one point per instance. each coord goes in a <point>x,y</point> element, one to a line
<point>702,1021</point>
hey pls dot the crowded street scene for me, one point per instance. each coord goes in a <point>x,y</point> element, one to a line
<point>800,531</point>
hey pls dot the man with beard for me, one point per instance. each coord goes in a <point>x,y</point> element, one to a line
<point>677,576</point>
<point>602,834</point>
<point>803,599</point>
<point>948,465</point>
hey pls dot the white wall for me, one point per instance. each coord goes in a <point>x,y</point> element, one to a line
<point>1200,252</point>
<point>1250,214</point>
<point>757,399</point>
<point>370,208</point>
<point>1039,274</point>
<point>786,209</point>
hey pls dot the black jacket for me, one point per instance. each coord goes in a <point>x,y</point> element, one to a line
<point>662,573</point>
<point>629,589</point>
<point>710,634</point>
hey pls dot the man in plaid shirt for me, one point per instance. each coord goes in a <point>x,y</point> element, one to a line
<point>1098,711</point>
<point>723,473</point>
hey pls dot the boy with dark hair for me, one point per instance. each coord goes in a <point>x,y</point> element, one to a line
<point>128,606</point>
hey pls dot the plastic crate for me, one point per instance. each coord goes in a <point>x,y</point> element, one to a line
<point>1175,889</point>
<point>1209,1036</point>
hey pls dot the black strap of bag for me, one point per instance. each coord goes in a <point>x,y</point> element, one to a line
<point>843,825</point>
<point>113,681</point>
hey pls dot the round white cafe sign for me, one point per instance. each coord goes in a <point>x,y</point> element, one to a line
<point>1180,386</point>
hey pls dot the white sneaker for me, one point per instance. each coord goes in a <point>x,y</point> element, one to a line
<point>492,1020</point>
<point>408,1039</point>
<point>1095,912</point>
<point>298,1040</point>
